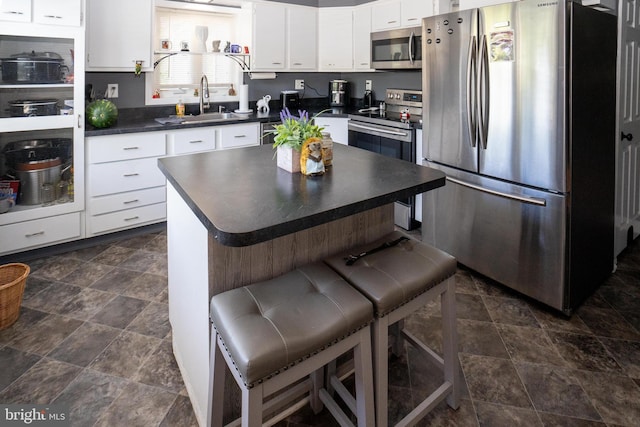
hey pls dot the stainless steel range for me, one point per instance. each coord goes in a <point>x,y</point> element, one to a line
<point>391,132</point>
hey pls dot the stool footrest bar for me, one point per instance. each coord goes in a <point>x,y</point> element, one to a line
<point>427,405</point>
<point>335,410</point>
<point>433,356</point>
<point>344,394</point>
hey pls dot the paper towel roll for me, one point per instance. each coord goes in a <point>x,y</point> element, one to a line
<point>243,93</point>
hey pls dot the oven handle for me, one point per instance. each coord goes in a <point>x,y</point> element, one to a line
<point>388,132</point>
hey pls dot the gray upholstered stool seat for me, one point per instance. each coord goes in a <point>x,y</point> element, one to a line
<point>400,275</point>
<point>277,331</point>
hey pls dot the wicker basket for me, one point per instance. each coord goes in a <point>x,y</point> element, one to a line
<point>12,280</point>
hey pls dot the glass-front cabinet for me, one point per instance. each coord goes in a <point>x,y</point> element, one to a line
<point>41,125</point>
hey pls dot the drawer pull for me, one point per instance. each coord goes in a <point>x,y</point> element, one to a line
<point>128,202</point>
<point>240,136</point>
<point>53,16</point>
<point>126,175</point>
<point>131,148</point>
<point>391,22</point>
<point>39,233</point>
<point>197,141</point>
<point>133,218</point>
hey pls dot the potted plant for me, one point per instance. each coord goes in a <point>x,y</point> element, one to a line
<point>291,134</point>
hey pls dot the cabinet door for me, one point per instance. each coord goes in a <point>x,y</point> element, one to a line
<point>59,12</point>
<point>191,141</point>
<point>269,42</point>
<point>335,46</point>
<point>233,136</point>
<point>413,11</point>
<point>338,127</point>
<point>15,10</point>
<point>385,16</point>
<point>302,36</point>
<point>362,38</point>
<point>119,35</point>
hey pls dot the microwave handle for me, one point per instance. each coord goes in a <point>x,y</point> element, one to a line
<point>411,55</point>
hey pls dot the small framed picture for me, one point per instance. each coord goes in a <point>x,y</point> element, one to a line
<point>184,46</point>
<point>165,44</point>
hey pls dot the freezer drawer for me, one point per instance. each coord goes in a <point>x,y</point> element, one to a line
<point>512,234</point>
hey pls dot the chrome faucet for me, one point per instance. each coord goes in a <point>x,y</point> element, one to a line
<point>204,93</point>
<point>221,108</point>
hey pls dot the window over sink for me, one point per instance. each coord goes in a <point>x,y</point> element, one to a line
<point>189,44</point>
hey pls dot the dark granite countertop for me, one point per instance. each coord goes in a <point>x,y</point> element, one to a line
<point>243,198</point>
<point>143,120</point>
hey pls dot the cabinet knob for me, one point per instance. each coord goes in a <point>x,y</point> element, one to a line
<point>624,136</point>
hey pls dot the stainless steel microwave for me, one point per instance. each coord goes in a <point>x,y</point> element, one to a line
<point>397,49</point>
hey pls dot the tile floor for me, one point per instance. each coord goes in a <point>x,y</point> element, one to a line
<point>94,334</point>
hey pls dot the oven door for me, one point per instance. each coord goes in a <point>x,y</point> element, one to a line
<point>397,49</point>
<point>390,142</point>
<point>386,140</point>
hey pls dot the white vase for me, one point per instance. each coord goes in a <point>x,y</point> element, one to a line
<point>288,159</point>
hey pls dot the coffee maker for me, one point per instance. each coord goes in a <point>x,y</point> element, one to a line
<point>338,93</point>
<point>290,99</point>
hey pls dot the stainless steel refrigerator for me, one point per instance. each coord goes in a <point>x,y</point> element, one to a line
<point>519,112</point>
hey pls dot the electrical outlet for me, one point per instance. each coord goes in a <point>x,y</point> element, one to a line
<point>299,84</point>
<point>367,84</point>
<point>112,90</point>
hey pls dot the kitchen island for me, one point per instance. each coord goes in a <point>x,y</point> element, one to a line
<point>234,218</point>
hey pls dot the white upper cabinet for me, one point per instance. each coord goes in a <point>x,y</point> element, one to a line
<point>362,38</point>
<point>385,15</point>
<point>302,36</point>
<point>335,41</point>
<point>15,10</point>
<point>412,12</point>
<point>59,12</point>
<point>119,35</point>
<point>268,37</point>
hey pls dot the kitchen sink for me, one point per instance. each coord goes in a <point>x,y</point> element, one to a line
<point>213,117</point>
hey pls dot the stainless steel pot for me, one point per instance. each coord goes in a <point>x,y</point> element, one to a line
<point>34,67</point>
<point>31,182</point>
<point>32,108</point>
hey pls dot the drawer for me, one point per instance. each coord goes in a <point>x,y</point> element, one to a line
<point>119,177</point>
<point>59,12</point>
<point>191,141</point>
<point>121,201</point>
<point>111,148</point>
<point>40,232</point>
<point>129,218</point>
<point>232,136</point>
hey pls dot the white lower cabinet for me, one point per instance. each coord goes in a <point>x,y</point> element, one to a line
<point>243,135</point>
<point>41,232</point>
<point>338,127</point>
<point>125,188</point>
<point>191,141</point>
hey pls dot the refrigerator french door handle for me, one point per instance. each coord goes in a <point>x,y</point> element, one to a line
<point>483,93</point>
<point>529,200</point>
<point>472,66</point>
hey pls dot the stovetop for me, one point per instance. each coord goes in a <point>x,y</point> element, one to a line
<point>403,108</point>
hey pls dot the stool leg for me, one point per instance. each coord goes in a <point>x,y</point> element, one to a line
<point>317,381</point>
<point>364,387</point>
<point>217,368</point>
<point>450,342</point>
<point>380,339</point>
<point>396,331</point>
<point>252,406</point>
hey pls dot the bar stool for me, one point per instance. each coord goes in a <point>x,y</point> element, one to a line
<point>274,333</point>
<point>400,275</point>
